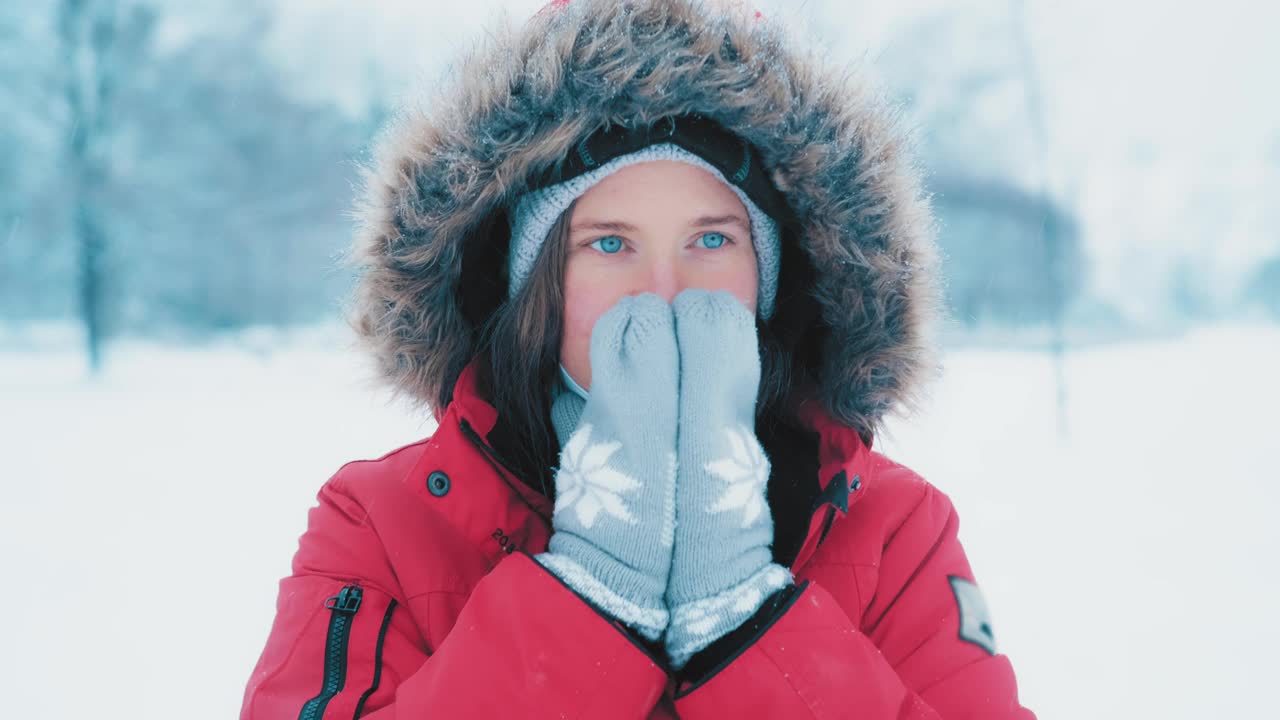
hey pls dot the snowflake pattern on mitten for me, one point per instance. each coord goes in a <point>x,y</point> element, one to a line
<point>746,472</point>
<point>586,485</point>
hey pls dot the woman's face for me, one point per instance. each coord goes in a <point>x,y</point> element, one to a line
<point>658,227</point>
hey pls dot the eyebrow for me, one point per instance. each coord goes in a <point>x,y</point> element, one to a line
<point>619,226</point>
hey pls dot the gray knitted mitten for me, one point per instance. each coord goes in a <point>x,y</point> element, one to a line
<point>614,516</point>
<point>722,568</point>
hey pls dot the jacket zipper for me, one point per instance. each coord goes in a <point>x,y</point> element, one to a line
<point>343,606</point>
<point>377,661</point>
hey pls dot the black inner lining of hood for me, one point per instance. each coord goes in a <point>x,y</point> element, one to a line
<point>738,160</point>
<point>482,275</point>
<point>793,483</point>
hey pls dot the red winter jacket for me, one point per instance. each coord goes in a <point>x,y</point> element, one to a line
<point>413,595</point>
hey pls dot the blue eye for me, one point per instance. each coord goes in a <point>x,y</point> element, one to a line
<point>711,240</point>
<point>608,245</point>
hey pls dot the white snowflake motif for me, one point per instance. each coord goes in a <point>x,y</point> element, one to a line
<point>746,471</point>
<point>587,485</point>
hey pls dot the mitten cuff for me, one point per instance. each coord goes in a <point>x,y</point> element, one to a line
<point>649,622</point>
<point>697,624</point>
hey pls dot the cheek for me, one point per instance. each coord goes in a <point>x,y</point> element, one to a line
<point>737,275</point>
<point>746,287</point>
<point>585,301</point>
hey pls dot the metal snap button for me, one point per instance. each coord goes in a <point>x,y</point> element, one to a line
<point>438,483</point>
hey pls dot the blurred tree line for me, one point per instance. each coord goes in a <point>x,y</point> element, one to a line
<point>1013,247</point>
<point>152,186</point>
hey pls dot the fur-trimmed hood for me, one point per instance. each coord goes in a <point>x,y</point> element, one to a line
<point>433,206</point>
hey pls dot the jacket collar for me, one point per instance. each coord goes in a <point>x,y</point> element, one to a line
<point>842,475</point>
<point>470,406</point>
<point>842,460</point>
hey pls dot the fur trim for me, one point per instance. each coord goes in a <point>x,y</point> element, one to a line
<point>515,105</point>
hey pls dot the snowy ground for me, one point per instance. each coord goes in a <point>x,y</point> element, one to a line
<point>148,516</point>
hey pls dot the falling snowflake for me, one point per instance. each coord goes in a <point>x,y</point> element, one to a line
<point>587,485</point>
<point>746,471</point>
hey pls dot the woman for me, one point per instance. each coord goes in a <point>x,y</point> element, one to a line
<point>660,279</point>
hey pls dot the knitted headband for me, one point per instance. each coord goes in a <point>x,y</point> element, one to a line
<point>688,139</point>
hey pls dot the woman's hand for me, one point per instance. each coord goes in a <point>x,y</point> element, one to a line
<point>615,488</point>
<point>723,568</point>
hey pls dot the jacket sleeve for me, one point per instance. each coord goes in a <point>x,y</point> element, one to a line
<point>343,645</point>
<point>917,659</point>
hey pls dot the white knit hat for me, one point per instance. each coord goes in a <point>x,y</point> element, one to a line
<point>538,210</point>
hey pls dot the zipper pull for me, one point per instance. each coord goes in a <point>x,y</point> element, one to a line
<point>347,601</point>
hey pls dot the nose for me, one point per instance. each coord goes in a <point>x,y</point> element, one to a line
<point>666,279</point>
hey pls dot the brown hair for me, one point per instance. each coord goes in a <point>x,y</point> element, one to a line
<point>520,352</point>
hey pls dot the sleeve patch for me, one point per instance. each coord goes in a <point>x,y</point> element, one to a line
<point>975,618</point>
